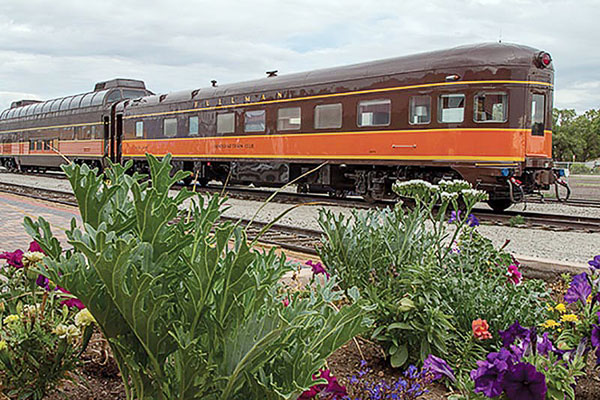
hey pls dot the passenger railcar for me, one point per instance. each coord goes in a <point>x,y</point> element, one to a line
<point>480,112</point>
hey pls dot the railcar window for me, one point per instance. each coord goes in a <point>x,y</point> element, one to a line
<point>39,145</point>
<point>87,100</point>
<point>288,119</point>
<point>46,107</point>
<point>133,94</point>
<point>139,129</point>
<point>490,107</point>
<point>38,108</point>
<point>31,145</point>
<point>170,127</point>
<point>254,121</point>
<point>46,145</point>
<point>328,116</point>
<point>64,105</point>
<point>374,112</point>
<point>75,102</point>
<point>193,126</point>
<point>113,96</point>
<point>225,123</point>
<point>420,110</point>
<point>99,98</point>
<point>538,108</point>
<point>55,105</point>
<point>451,108</point>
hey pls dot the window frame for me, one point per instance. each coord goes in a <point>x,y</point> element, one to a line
<point>410,109</point>
<point>299,116</point>
<point>538,132</point>
<point>505,108</point>
<point>359,114</point>
<point>197,131</point>
<point>222,115</point>
<point>440,108</point>
<point>139,129</point>
<point>318,106</point>
<point>164,127</point>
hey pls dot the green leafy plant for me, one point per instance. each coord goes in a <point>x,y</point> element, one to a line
<point>190,310</point>
<point>40,339</point>
<point>429,277</point>
<point>516,220</point>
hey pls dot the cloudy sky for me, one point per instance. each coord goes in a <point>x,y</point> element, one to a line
<point>55,48</point>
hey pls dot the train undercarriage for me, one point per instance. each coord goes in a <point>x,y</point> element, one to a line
<point>505,186</point>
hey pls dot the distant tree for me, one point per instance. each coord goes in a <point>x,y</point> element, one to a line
<point>577,135</point>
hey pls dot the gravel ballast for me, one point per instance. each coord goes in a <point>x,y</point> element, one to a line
<point>574,247</point>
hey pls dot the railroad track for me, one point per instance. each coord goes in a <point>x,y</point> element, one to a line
<point>279,234</point>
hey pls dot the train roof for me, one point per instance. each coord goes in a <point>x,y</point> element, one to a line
<point>24,108</point>
<point>484,54</point>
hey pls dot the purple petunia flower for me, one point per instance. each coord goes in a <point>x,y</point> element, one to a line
<point>514,332</point>
<point>35,246</point>
<point>42,281</point>
<point>14,258</point>
<point>523,382</point>
<point>595,336</point>
<point>472,221</point>
<point>454,217</point>
<point>579,289</point>
<point>489,373</point>
<point>544,345</point>
<point>317,268</point>
<point>438,367</point>
<point>595,263</point>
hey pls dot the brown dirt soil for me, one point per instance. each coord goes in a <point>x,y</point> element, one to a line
<point>100,378</point>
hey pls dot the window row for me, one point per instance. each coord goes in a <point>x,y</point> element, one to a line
<point>72,102</point>
<point>488,107</point>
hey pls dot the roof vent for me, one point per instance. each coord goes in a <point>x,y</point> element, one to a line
<point>121,83</point>
<point>271,74</point>
<point>22,103</point>
<point>214,83</point>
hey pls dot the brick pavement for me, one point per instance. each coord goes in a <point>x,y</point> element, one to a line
<point>13,209</point>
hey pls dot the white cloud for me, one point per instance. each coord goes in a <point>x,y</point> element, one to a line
<point>57,48</point>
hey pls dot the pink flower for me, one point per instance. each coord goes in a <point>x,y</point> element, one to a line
<point>317,268</point>
<point>514,275</point>
<point>34,246</point>
<point>15,258</point>
<point>71,301</point>
<point>286,301</point>
<point>332,390</point>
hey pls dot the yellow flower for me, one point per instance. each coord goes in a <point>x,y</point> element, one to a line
<point>60,331</point>
<point>589,299</point>
<point>3,345</point>
<point>11,319</point>
<point>561,308</point>
<point>550,324</point>
<point>32,258</point>
<point>569,318</point>
<point>84,318</point>
<point>549,307</point>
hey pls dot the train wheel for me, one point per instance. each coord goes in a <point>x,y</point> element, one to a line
<point>499,205</point>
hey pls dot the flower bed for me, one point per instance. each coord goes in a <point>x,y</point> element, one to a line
<point>191,310</point>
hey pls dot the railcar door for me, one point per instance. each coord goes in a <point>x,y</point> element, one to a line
<point>113,135</point>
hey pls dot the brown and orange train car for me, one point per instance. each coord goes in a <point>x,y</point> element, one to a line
<point>480,112</point>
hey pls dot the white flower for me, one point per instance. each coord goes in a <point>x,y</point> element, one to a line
<point>83,318</point>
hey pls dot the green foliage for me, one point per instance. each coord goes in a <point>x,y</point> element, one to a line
<point>428,287</point>
<point>561,377</point>
<point>189,309</point>
<point>516,220</point>
<point>576,135</point>
<point>39,339</point>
